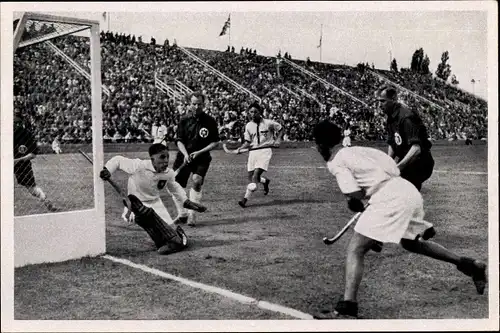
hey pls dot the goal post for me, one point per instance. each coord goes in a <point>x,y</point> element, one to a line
<point>77,228</point>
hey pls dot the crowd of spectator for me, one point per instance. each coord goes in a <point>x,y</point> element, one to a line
<point>56,99</point>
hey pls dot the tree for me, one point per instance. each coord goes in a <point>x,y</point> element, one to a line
<point>454,80</point>
<point>443,70</point>
<point>394,65</point>
<point>420,62</point>
<point>416,60</point>
<point>425,66</point>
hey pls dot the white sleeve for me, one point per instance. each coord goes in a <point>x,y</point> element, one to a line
<point>276,126</point>
<point>345,179</point>
<point>128,165</point>
<point>247,134</point>
<point>174,187</point>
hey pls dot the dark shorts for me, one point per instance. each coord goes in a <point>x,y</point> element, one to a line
<point>24,174</point>
<point>199,167</point>
<point>419,170</point>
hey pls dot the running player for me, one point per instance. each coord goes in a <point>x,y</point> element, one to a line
<point>197,135</point>
<point>25,150</point>
<point>394,213</point>
<point>408,140</point>
<point>346,142</point>
<point>259,132</point>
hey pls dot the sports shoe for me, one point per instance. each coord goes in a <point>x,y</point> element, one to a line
<point>343,310</point>
<point>476,270</point>
<point>50,206</point>
<point>181,220</point>
<point>243,202</point>
<point>266,186</point>
<point>429,233</point>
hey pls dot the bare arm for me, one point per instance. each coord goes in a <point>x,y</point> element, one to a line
<point>209,147</point>
<point>413,153</point>
<point>390,151</point>
<point>183,150</point>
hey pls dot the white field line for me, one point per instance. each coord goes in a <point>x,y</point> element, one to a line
<point>215,290</point>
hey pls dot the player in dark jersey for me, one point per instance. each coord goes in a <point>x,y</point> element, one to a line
<point>197,135</point>
<point>408,139</point>
<point>25,149</point>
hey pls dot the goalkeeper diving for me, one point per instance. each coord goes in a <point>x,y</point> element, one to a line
<point>145,207</point>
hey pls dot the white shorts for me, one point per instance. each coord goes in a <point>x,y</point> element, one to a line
<point>346,142</point>
<point>259,159</point>
<point>159,208</point>
<point>395,211</point>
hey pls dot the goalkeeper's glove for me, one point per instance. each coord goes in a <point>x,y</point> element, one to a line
<point>355,205</point>
<point>105,174</point>
<point>188,204</point>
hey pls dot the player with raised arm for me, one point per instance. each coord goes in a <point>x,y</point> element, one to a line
<point>146,179</point>
<point>197,135</point>
<point>25,150</point>
<point>259,132</point>
<point>394,213</point>
<point>408,140</point>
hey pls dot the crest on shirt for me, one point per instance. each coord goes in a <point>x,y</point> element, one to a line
<point>203,132</point>
<point>397,139</point>
<point>22,149</point>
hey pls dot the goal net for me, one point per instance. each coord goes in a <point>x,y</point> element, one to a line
<point>58,198</point>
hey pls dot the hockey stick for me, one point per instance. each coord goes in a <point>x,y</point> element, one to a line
<point>245,150</point>
<point>330,241</point>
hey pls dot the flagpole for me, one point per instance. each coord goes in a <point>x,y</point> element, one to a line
<point>321,43</point>
<point>229,32</point>
<point>109,14</point>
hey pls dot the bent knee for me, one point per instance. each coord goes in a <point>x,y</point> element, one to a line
<point>360,244</point>
<point>252,187</point>
<point>197,180</point>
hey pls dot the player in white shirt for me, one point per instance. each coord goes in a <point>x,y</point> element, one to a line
<point>56,145</point>
<point>159,131</point>
<point>259,132</point>
<point>346,142</point>
<point>147,178</point>
<point>394,213</point>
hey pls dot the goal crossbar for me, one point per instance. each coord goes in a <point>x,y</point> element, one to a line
<point>60,26</point>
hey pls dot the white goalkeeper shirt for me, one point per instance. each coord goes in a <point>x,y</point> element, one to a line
<point>144,182</point>
<point>262,133</point>
<point>364,168</point>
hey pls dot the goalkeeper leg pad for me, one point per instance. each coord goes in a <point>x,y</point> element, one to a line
<point>166,238</point>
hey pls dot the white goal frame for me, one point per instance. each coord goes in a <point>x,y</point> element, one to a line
<point>56,237</point>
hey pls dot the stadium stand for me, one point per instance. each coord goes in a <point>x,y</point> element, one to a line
<point>52,93</point>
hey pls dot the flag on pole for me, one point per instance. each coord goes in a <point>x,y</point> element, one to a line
<point>104,15</point>
<point>226,26</point>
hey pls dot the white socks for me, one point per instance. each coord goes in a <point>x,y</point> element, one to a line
<point>181,211</point>
<point>263,180</point>
<point>195,196</point>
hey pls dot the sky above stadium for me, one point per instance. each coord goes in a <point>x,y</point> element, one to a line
<point>352,32</point>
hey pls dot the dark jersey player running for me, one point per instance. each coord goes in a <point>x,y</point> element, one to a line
<point>197,135</point>
<point>25,149</point>
<point>408,140</point>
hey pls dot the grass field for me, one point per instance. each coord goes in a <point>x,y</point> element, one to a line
<point>270,251</point>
